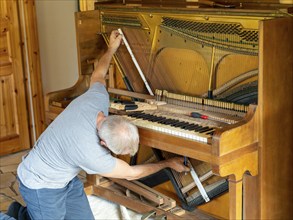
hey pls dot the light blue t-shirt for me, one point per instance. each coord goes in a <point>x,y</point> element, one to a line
<point>70,144</point>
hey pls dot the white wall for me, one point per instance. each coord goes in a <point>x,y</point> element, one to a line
<point>57,41</point>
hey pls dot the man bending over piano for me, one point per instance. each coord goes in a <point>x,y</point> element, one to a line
<point>82,137</point>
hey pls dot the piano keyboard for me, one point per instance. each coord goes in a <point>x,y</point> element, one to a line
<point>172,126</point>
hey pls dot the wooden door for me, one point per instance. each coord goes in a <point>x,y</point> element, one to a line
<point>14,123</point>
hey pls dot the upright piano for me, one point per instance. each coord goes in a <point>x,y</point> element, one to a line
<point>231,65</point>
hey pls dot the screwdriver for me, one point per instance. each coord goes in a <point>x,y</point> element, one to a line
<point>198,115</point>
<point>205,117</point>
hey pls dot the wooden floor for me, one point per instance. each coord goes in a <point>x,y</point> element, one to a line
<point>8,184</point>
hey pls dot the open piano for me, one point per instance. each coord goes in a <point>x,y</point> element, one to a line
<point>232,65</point>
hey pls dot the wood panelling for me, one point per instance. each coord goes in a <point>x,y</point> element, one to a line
<point>21,99</point>
<point>14,121</point>
<point>9,117</point>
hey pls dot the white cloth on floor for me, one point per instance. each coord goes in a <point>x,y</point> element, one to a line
<point>104,209</point>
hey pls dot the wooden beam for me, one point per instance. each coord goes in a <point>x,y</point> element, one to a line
<point>129,94</point>
<point>143,192</point>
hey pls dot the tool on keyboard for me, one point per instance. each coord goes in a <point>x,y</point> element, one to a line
<point>198,115</point>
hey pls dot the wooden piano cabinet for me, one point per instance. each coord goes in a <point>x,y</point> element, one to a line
<point>255,154</point>
<point>233,163</point>
<point>276,122</point>
<point>232,153</point>
<point>269,194</point>
<point>236,151</point>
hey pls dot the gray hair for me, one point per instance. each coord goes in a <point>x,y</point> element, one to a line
<point>119,134</point>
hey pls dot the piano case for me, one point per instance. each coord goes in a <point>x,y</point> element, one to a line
<point>214,62</point>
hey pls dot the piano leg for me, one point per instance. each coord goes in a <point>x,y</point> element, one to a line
<point>235,169</point>
<point>235,199</point>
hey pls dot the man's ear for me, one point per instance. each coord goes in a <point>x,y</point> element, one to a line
<point>100,118</point>
<point>103,143</point>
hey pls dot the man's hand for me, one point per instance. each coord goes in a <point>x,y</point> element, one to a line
<point>115,41</point>
<point>103,64</point>
<point>177,164</point>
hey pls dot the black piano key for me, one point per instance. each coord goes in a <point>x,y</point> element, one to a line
<point>185,127</point>
<point>194,127</point>
<point>178,124</point>
<point>211,132</point>
<point>198,128</point>
<point>205,130</point>
<point>184,124</point>
<point>152,118</point>
<point>162,121</point>
<point>202,129</point>
<point>165,121</point>
<point>134,114</point>
<point>159,119</point>
<point>145,116</point>
<point>171,121</point>
<point>190,126</point>
<point>142,115</point>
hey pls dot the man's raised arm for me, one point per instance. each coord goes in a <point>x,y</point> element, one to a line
<point>101,69</point>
